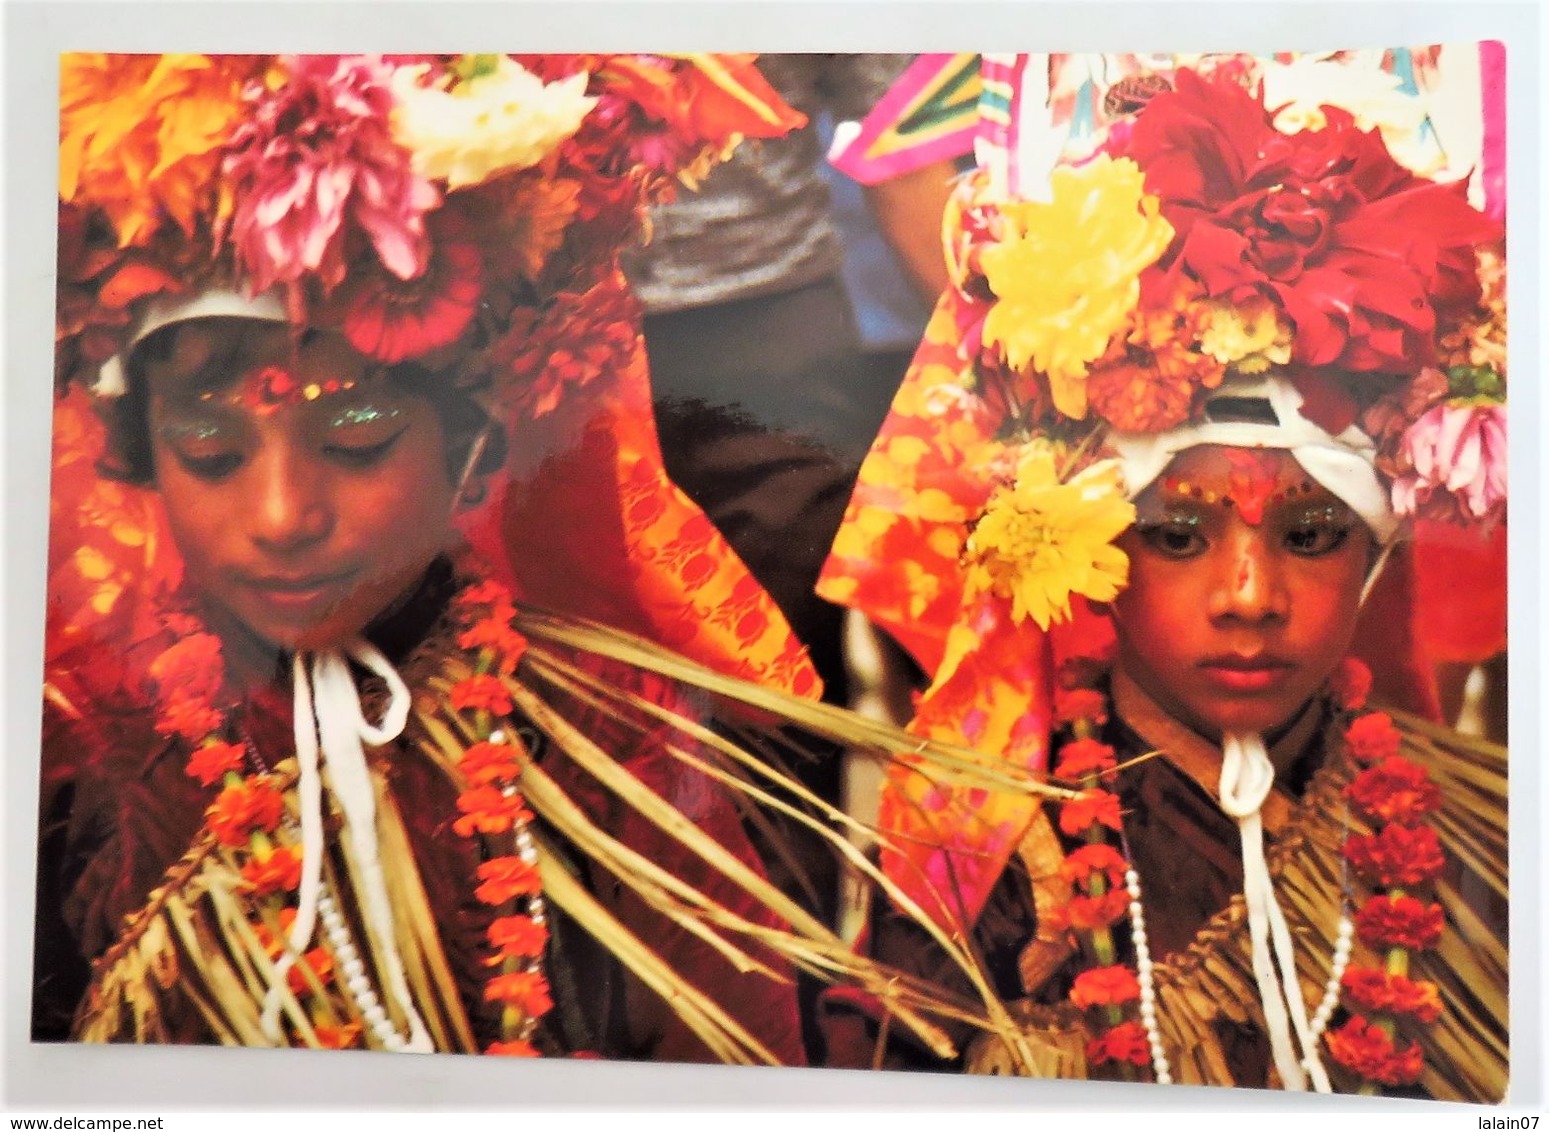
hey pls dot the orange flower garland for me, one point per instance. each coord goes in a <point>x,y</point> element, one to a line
<point>493,804</point>
<point>247,816</point>
<point>1097,873</point>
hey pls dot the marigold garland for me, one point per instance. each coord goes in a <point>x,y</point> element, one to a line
<point>246,816</point>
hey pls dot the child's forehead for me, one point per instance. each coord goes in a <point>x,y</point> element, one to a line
<point>1224,464</point>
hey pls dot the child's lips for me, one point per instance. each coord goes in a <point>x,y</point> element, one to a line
<point>1237,673</point>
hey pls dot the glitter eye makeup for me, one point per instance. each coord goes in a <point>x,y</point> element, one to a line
<point>189,430</point>
<point>368,414</point>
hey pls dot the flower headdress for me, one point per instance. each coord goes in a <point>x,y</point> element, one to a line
<point>1205,243</point>
<point>431,207</point>
<point>464,213</point>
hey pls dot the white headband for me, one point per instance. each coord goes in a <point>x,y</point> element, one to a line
<point>112,380</point>
<point>1344,464</point>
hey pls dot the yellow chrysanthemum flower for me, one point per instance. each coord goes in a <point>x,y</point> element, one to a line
<point>140,135</point>
<point>1040,540</point>
<point>502,118</point>
<point>1066,274</point>
<point>1250,338</point>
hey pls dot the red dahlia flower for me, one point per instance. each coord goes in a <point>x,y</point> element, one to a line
<point>1358,252</point>
<point>392,319</point>
<point>1395,790</point>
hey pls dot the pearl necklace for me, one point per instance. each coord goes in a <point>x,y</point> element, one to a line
<point>1146,976</point>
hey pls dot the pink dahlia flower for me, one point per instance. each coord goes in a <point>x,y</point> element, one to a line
<point>1459,448</point>
<point>316,151</point>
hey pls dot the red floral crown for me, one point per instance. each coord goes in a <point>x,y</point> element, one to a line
<point>437,208</point>
<point>1210,236</point>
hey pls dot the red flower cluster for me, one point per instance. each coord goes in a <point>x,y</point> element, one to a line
<point>1364,1048</point>
<point>504,644</point>
<point>1399,921</point>
<point>1395,790</point>
<point>481,693</point>
<point>280,873</point>
<point>1126,1042</point>
<point>488,809</point>
<point>506,878</point>
<point>528,991</point>
<point>1358,252</point>
<point>392,319</point>
<point>240,810</point>
<point>1076,704</point>
<point>1090,860</point>
<point>1372,737</point>
<point>190,668</point>
<point>1378,991</point>
<point>516,1048</point>
<point>518,937</point>
<point>1105,986</point>
<point>1397,857</point>
<point>490,763</point>
<point>1090,913</point>
<point>1350,684</point>
<point>213,761</point>
<point>487,598</point>
<point>1091,807</point>
<point>1082,757</point>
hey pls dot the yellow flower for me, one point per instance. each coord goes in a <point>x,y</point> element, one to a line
<point>1040,540</point>
<point>140,135</point>
<point>1066,273</point>
<point>1250,338</point>
<point>502,118</point>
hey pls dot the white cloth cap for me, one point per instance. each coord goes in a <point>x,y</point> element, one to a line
<point>1344,464</point>
<point>112,380</point>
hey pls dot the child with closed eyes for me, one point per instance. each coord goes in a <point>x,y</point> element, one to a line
<point>313,774</point>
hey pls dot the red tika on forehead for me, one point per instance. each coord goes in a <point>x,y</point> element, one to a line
<point>1252,481</point>
<point>272,387</point>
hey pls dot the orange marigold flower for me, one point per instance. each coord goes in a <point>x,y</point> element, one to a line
<point>488,809</point>
<point>239,810</point>
<point>499,638</point>
<point>213,761</point>
<point>1402,921</point>
<point>1105,986</point>
<point>1136,397</point>
<point>528,991</point>
<point>1395,790</point>
<point>486,763</point>
<point>484,599</point>
<point>321,964</point>
<point>481,693</point>
<point>337,1037</point>
<point>1362,1048</point>
<point>191,668</point>
<point>1089,808</point>
<point>189,718</point>
<point>1088,913</point>
<point>1080,703</point>
<point>1377,991</point>
<point>505,878</point>
<point>516,1048</point>
<point>1125,1042</point>
<point>1351,683</point>
<point>1083,757</point>
<point>518,937</point>
<point>1083,863</point>
<point>1372,737</point>
<point>1397,857</point>
<point>280,873</point>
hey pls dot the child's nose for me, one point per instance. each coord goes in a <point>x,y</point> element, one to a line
<point>1249,586</point>
<point>291,510</point>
